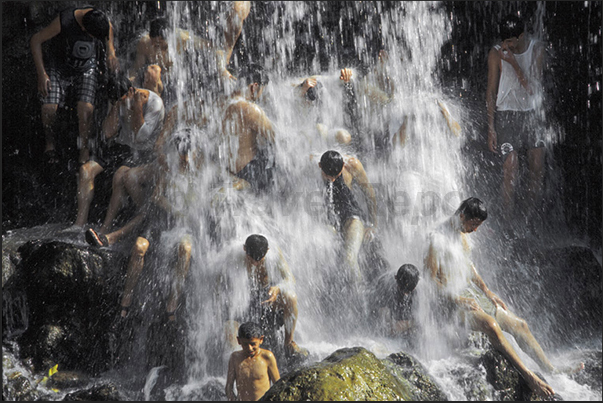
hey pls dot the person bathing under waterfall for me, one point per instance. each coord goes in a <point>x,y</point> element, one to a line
<point>272,299</point>
<point>253,369</point>
<point>392,300</point>
<point>339,173</point>
<point>249,133</point>
<point>513,98</point>
<point>464,295</point>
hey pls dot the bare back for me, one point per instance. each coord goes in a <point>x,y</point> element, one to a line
<point>249,123</point>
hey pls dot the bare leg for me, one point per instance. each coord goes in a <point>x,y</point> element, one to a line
<point>85,190</point>
<point>518,327</point>
<point>49,113</point>
<point>480,321</point>
<point>126,230</point>
<point>510,167</point>
<point>234,24</point>
<point>354,234</point>
<point>289,305</point>
<point>117,200</point>
<point>84,113</point>
<point>135,266</point>
<point>182,266</point>
<point>137,183</point>
<point>536,167</point>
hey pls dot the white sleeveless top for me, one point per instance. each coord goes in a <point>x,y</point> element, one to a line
<point>511,95</point>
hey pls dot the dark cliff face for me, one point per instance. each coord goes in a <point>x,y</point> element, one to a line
<point>36,195</point>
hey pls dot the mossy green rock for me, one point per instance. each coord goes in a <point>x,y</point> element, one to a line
<point>347,374</point>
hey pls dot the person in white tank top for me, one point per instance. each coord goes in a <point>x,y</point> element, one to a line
<point>513,100</point>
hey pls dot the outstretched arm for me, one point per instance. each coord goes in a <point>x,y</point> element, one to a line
<point>432,263</point>
<point>52,30</point>
<point>477,279</point>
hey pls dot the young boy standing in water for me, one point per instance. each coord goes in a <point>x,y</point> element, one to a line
<point>252,368</point>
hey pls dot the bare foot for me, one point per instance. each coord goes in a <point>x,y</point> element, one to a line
<point>538,386</point>
<point>570,369</point>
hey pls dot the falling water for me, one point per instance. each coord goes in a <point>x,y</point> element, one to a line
<point>418,182</point>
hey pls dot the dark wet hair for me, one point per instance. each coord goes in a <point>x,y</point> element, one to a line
<point>511,27</point>
<point>331,163</point>
<point>407,277</point>
<point>473,208</point>
<point>117,86</point>
<point>158,28</point>
<point>182,140</point>
<point>253,73</point>
<point>96,23</point>
<point>256,246</point>
<point>250,330</point>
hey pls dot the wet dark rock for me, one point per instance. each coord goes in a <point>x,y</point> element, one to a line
<point>557,290</point>
<point>70,293</point>
<point>104,393</point>
<point>347,374</point>
<point>408,369</point>
<point>504,378</point>
<point>19,388</point>
<point>67,379</point>
<point>591,375</point>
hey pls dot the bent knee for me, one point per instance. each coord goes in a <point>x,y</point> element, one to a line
<point>185,247</point>
<point>343,136</point>
<point>141,246</point>
<point>487,323</point>
<point>49,109</point>
<point>85,109</point>
<point>86,173</point>
<point>120,175</point>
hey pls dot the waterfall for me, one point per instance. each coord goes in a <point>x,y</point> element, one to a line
<point>409,129</point>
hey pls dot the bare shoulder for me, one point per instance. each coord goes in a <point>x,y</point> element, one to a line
<point>352,161</point>
<point>236,357</point>
<point>493,53</point>
<point>353,165</point>
<point>144,41</point>
<point>268,355</point>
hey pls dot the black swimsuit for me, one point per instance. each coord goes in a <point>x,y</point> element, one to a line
<point>259,171</point>
<point>341,203</point>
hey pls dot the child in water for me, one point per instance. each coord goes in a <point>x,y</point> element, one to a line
<point>252,368</point>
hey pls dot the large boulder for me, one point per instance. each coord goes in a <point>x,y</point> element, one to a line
<point>347,374</point>
<point>410,371</point>
<point>59,301</point>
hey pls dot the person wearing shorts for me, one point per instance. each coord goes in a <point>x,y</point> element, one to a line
<point>135,120</point>
<point>513,99</point>
<point>80,39</point>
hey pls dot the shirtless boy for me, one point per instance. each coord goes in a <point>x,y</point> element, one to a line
<point>252,368</point>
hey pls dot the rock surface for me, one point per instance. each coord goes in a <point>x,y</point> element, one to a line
<point>347,374</point>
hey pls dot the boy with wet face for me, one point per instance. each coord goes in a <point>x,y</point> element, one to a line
<point>253,368</point>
